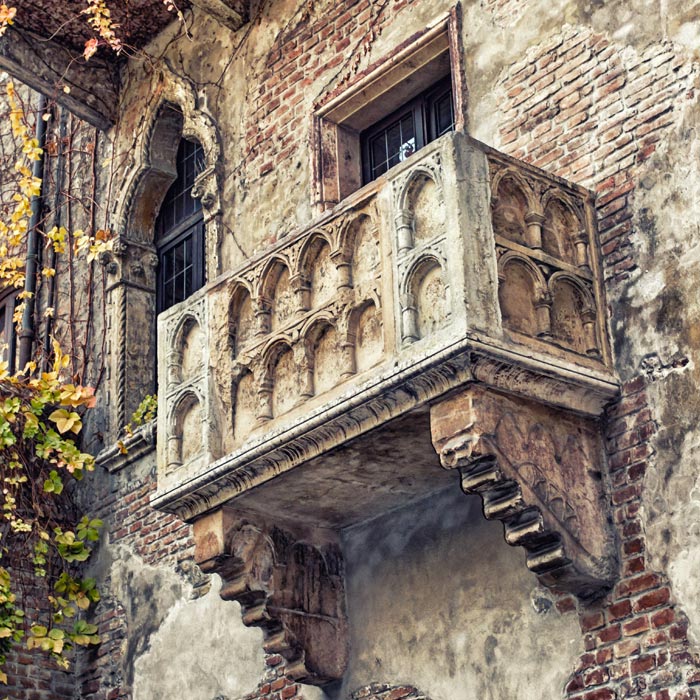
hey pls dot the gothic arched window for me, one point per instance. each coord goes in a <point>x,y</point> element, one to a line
<point>179,232</point>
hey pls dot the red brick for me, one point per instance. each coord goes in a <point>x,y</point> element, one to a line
<point>642,664</point>
<point>652,600</point>
<point>635,626</point>
<point>619,610</point>
<point>609,634</point>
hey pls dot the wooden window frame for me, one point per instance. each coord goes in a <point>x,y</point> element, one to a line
<point>189,227</point>
<point>422,111</point>
<point>411,69</point>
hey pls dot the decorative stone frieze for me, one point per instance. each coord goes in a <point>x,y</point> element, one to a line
<point>544,239</point>
<point>294,590</point>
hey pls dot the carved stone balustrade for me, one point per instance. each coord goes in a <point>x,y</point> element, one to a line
<point>459,295</point>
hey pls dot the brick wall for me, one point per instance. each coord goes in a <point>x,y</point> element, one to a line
<point>158,539</point>
<point>322,44</point>
<point>587,110</point>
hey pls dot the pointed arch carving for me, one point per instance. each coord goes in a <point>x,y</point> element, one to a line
<point>317,268</point>
<point>573,314</point>
<point>186,439</point>
<point>174,112</point>
<point>523,296</point>
<point>186,350</point>
<point>515,209</point>
<point>561,228</point>
<point>241,319</point>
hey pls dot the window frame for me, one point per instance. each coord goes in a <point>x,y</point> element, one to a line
<point>190,227</point>
<point>342,115</point>
<point>422,108</point>
<point>8,303</point>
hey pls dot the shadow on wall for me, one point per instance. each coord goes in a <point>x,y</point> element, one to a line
<point>438,601</point>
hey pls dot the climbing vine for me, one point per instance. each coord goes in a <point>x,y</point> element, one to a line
<point>44,539</point>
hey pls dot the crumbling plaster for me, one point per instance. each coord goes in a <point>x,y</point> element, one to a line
<point>653,322</point>
<point>661,304</point>
<point>438,600</point>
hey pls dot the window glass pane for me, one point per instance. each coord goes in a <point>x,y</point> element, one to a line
<point>408,137</point>
<point>378,155</point>
<point>444,114</point>
<point>180,228</point>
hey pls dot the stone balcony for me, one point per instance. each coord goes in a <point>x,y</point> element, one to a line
<point>454,306</point>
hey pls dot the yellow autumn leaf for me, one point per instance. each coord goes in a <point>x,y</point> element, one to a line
<point>66,420</point>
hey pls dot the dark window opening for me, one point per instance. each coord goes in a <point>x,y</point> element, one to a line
<point>180,232</point>
<point>412,126</point>
<point>8,337</point>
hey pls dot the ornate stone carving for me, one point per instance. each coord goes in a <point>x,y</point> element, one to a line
<point>539,471</point>
<point>292,589</point>
<point>546,286</point>
<point>307,340</point>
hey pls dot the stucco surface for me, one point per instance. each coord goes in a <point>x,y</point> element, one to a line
<point>437,599</point>
<point>168,654</point>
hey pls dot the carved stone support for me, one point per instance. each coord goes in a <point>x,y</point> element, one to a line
<point>293,590</point>
<point>534,221</point>
<point>539,471</point>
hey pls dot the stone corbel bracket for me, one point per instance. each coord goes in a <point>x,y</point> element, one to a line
<point>538,470</point>
<point>293,590</point>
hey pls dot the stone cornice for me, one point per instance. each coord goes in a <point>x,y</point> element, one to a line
<point>390,394</point>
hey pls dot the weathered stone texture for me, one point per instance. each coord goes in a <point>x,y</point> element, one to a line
<point>603,94</point>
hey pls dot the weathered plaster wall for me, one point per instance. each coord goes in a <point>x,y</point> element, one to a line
<point>166,630</point>
<point>438,600</point>
<point>602,93</point>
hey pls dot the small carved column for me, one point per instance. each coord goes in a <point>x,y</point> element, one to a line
<point>534,468</point>
<point>543,309</point>
<point>265,401</point>
<point>534,221</point>
<point>343,267</point>
<point>302,292</point>
<point>293,590</point>
<point>588,317</point>
<point>347,348</point>
<point>174,452</point>
<point>263,312</point>
<point>581,245</point>
<point>304,360</point>
<point>409,319</point>
<point>404,230</point>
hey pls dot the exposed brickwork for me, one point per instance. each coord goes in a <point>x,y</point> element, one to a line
<point>158,539</point>
<point>322,44</point>
<point>581,107</point>
<point>636,639</point>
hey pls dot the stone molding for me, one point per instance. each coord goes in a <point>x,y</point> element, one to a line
<point>380,400</point>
